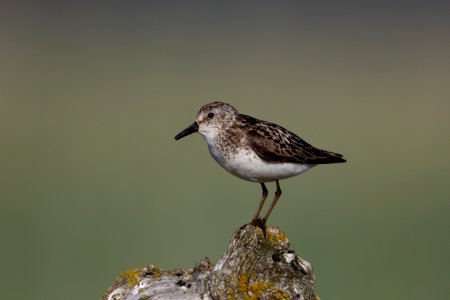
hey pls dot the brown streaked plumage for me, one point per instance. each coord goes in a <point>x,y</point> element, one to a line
<point>255,150</point>
<point>284,145</point>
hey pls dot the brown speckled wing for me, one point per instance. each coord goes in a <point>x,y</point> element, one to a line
<point>274,143</point>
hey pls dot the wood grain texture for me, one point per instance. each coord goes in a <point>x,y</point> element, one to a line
<point>253,267</point>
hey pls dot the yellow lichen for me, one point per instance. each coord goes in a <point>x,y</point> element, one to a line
<point>259,232</point>
<point>243,283</point>
<point>276,236</point>
<point>280,295</point>
<point>231,294</point>
<point>257,289</point>
<point>131,277</point>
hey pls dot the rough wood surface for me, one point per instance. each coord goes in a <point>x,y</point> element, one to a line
<point>254,267</point>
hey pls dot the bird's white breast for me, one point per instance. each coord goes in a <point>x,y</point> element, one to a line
<point>246,164</point>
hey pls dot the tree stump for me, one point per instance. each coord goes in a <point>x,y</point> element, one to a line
<point>254,267</point>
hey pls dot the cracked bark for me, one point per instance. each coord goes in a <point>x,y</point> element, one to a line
<point>253,267</point>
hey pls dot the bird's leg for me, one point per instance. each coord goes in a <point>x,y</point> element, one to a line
<point>261,203</point>
<point>272,205</point>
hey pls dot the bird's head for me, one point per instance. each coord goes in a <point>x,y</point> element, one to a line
<point>211,119</point>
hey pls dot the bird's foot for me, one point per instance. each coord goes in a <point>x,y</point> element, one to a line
<point>261,224</point>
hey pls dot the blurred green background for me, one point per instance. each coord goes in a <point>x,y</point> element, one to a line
<point>92,182</point>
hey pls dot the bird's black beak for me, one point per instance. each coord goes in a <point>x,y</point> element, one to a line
<point>190,129</point>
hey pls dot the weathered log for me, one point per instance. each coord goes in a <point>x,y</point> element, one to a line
<point>254,267</point>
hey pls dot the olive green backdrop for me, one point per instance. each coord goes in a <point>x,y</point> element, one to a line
<point>92,182</point>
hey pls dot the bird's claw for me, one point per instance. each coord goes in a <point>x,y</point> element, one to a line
<point>261,224</point>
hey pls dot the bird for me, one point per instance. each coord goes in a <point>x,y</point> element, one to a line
<point>255,150</point>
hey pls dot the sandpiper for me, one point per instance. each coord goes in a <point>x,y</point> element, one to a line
<point>255,150</point>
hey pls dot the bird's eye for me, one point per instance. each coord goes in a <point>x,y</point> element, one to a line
<point>210,115</point>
